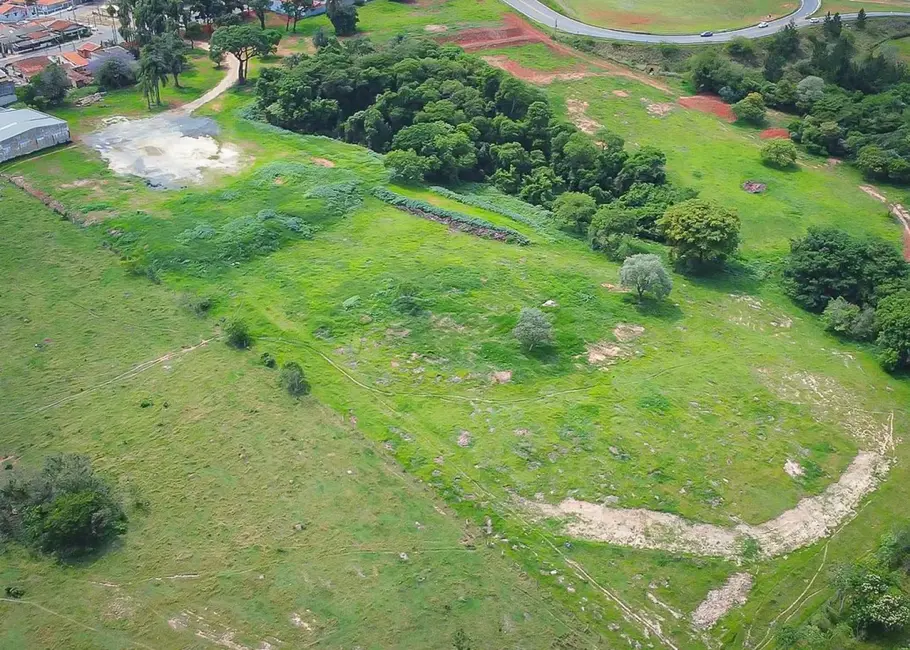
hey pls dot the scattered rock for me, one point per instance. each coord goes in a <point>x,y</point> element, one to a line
<point>620,93</point>
<point>502,377</point>
<point>605,353</point>
<point>435,28</point>
<point>551,303</point>
<point>464,439</point>
<point>754,187</point>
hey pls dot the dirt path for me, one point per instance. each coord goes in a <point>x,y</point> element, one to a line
<point>897,210</point>
<point>230,79</point>
<point>811,520</point>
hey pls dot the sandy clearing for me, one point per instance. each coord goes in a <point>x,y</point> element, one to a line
<point>812,519</point>
<point>535,76</point>
<point>579,117</point>
<point>720,601</point>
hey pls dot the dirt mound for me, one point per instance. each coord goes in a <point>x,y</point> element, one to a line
<point>768,134</point>
<point>720,601</point>
<point>535,76</point>
<point>605,353</point>
<point>709,104</point>
<point>625,332</point>
<point>514,31</point>
<point>435,28</point>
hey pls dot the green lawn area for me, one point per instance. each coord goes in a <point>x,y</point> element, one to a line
<point>900,45</point>
<point>853,6</point>
<point>407,436</point>
<point>672,16</point>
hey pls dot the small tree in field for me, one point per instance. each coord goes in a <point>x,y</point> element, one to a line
<point>238,335</point>
<point>701,233</point>
<point>533,328</point>
<point>750,109</point>
<point>646,274</point>
<point>779,153</point>
<point>293,379</point>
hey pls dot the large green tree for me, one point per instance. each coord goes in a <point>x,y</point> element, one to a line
<point>893,323</point>
<point>701,233</point>
<point>343,17</point>
<point>244,42</point>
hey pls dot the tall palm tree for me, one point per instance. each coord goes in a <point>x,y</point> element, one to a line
<point>111,12</point>
<point>152,75</point>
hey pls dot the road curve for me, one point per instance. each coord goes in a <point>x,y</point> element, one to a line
<point>540,13</point>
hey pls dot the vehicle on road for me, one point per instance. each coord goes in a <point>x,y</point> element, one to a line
<point>812,20</point>
<point>706,34</point>
<point>762,25</point>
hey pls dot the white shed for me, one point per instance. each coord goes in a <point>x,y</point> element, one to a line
<point>24,131</point>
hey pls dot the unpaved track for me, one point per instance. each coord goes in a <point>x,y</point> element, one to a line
<point>230,79</point>
<point>813,519</point>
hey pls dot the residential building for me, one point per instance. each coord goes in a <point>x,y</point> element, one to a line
<point>11,13</point>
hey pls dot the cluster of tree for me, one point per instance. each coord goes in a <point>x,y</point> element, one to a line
<point>870,603</point>
<point>861,287</point>
<point>244,42</point>
<point>442,115</point>
<point>47,88</point>
<point>65,509</point>
<point>852,101</point>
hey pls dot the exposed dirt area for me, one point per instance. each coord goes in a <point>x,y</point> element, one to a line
<point>625,332</point>
<point>657,109</point>
<point>709,104</point>
<point>620,93</point>
<point>812,519</point>
<point>779,133</point>
<point>501,377</point>
<point>435,29</point>
<point>322,162</point>
<point>898,211</point>
<point>577,113</point>
<point>535,76</point>
<point>874,193</point>
<point>720,601</point>
<point>605,353</point>
<point>754,187</point>
<point>793,468</point>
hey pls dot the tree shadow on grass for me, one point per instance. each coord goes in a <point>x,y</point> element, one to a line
<point>546,354</point>
<point>736,276</point>
<point>665,309</point>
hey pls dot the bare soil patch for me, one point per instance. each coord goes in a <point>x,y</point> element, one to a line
<point>754,187</point>
<point>435,29</point>
<point>657,109</point>
<point>606,353</point>
<point>579,117</point>
<point>706,103</point>
<point>720,601</point>
<point>620,93</point>
<point>625,332</point>
<point>897,211</point>
<point>322,162</point>
<point>501,377</point>
<point>812,519</point>
<point>535,76</point>
<point>779,133</point>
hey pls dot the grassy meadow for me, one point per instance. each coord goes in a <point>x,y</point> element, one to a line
<point>356,516</point>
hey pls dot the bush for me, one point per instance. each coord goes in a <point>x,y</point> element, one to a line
<point>65,510</point>
<point>611,229</point>
<point>48,88</point>
<point>779,153</point>
<point>574,211</point>
<point>238,335</point>
<point>700,233</point>
<point>267,360</point>
<point>293,379</point>
<point>646,274</point>
<point>115,73</point>
<point>533,328</point>
<point>406,166</point>
<point>197,305</point>
<point>849,320</point>
<point>750,109</point>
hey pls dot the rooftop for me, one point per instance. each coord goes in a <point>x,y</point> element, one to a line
<point>75,59</point>
<point>14,122</point>
<point>31,65</point>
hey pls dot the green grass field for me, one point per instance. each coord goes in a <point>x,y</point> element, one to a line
<point>672,16</point>
<point>407,445</point>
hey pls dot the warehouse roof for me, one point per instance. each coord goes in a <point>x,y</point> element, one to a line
<point>14,122</point>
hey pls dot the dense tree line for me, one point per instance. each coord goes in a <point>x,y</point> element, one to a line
<point>445,116</point>
<point>852,101</point>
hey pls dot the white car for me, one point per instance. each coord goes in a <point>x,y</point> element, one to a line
<point>814,21</point>
<point>762,25</point>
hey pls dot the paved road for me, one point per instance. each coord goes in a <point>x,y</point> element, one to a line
<point>540,13</point>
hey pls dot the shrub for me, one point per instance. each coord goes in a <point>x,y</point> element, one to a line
<point>198,305</point>
<point>115,73</point>
<point>700,233</point>
<point>65,509</point>
<point>293,379</point>
<point>779,153</point>
<point>646,273</point>
<point>533,328</point>
<point>849,320</point>
<point>574,211</point>
<point>406,166</point>
<point>238,335</point>
<point>268,360</point>
<point>407,299</point>
<point>611,229</point>
<point>751,108</point>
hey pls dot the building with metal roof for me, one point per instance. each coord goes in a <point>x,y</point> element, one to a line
<point>25,130</point>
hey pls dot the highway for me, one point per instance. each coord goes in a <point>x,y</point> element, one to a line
<point>540,13</point>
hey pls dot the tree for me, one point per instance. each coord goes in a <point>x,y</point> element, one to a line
<point>65,509</point>
<point>700,233</point>
<point>873,162</point>
<point>861,19</point>
<point>646,273</point>
<point>259,8</point>
<point>295,10</point>
<point>574,211</point>
<point>320,38</point>
<point>809,91</point>
<point>238,334</point>
<point>779,153</point>
<point>612,230</point>
<point>647,165</point>
<point>533,328</point>
<point>848,320</point>
<point>893,323</point>
<point>171,51</point>
<point>152,74</point>
<point>407,166</point>
<point>244,42</point>
<point>193,32</point>
<point>47,88</point>
<point>750,109</point>
<point>115,73</point>
<point>293,379</point>
<point>343,17</point>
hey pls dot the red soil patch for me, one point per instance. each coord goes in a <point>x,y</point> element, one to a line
<point>709,104</point>
<point>534,76</point>
<point>779,133</point>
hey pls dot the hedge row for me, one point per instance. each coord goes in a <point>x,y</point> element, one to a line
<point>475,226</point>
<point>543,223</point>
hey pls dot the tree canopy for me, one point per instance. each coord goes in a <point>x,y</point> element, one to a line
<point>701,233</point>
<point>244,42</point>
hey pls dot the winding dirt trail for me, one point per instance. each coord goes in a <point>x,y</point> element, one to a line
<point>897,210</point>
<point>230,79</point>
